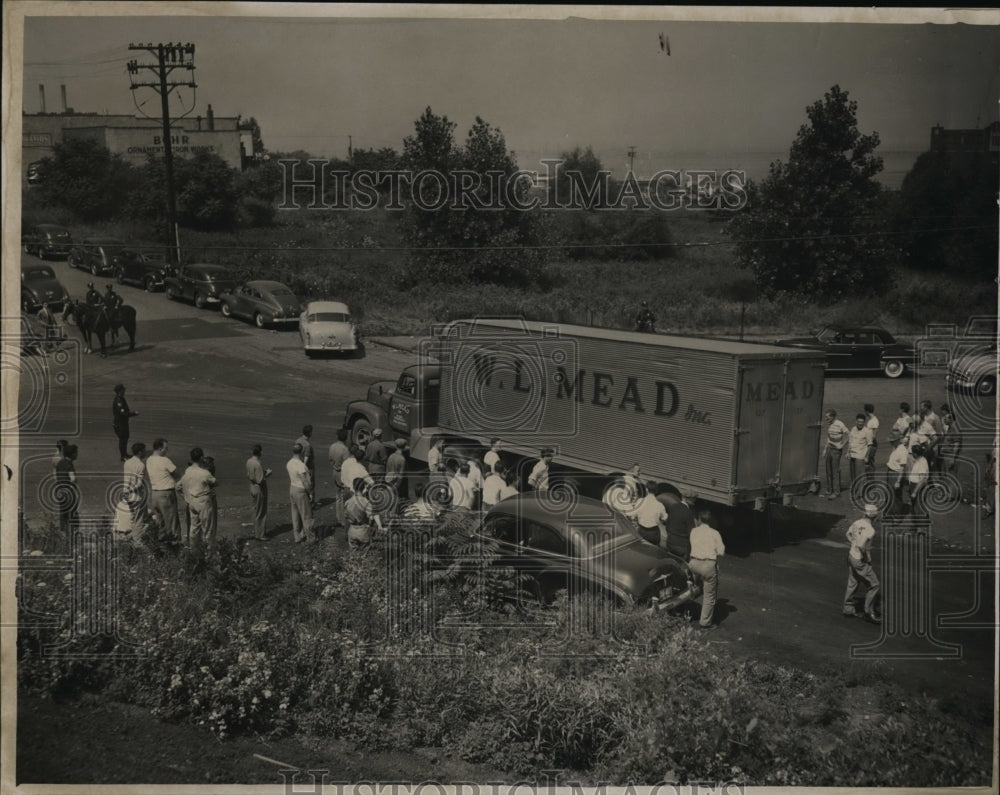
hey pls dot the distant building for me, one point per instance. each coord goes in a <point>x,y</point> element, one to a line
<point>135,137</point>
<point>986,139</point>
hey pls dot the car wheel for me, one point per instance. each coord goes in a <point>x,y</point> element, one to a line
<point>120,276</point>
<point>258,319</point>
<point>93,269</point>
<point>361,433</point>
<point>226,311</point>
<point>199,300</point>
<point>986,386</point>
<point>150,286</point>
<point>171,292</point>
<point>72,261</point>
<point>894,368</point>
<point>40,253</point>
<point>26,303</point>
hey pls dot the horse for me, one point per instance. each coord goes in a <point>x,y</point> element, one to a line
<point>96,320</point>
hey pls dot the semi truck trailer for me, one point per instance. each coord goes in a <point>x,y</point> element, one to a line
<point>737,422</point>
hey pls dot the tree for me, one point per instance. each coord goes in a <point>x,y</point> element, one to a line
<point>86,177</point>
<point>475,231</point>
<point>814,226</point>
<point>947,212</point>
<point>579,174</point>
<point>206,189</point>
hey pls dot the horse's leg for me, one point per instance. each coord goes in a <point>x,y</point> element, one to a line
<point>130,327</point>
<point>100,336</point>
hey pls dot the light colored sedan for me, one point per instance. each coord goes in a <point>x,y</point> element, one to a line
<point>263,302</point>
<point>326,326</point>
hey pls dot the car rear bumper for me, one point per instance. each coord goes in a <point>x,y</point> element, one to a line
<point>692,592</point>
<point>332,347</point>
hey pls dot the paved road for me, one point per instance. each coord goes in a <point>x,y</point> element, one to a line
<point>200,379</point>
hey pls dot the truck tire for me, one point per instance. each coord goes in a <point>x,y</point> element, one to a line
<point>894,368</point>
<point>361,432</point>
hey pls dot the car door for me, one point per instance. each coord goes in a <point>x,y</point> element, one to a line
<point>866,351</point>
<point>839,351</point>
<point>238,303</point>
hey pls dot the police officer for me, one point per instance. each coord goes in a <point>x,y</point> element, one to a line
<point>645,321</point>
<point>112,301</point>
<point>93,297</point>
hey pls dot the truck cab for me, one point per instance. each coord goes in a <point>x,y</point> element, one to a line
<point>399,407</point>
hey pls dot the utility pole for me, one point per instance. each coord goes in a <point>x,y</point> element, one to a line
<point>168,58</point>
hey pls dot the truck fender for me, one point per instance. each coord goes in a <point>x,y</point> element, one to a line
<point>362,410</point>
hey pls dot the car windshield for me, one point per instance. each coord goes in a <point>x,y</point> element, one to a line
<point>328,317</point>
<point>36,274</point>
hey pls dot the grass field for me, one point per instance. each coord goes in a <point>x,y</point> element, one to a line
<point>360,257</point>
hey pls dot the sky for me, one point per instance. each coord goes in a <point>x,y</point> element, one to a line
<point>728,91</point>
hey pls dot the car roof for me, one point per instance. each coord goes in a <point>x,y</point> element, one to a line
<point>265,284</point>
<point>327,306</point>
<point>32,268</point>
<point>584,510</point>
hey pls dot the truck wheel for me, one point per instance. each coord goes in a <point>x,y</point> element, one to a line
<point>894,368</point>
<point>361,433</point>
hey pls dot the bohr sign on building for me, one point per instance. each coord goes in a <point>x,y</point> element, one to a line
<point>135,144</point>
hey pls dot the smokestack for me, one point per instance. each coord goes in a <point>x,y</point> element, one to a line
<point>41,95</point>
<point>211,119</point>
<point>62,91</point>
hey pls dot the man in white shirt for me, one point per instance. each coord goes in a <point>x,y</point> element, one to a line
<point>833,451</point>
<point>896,465</point>
<point>902,423</point>
<point>492,458</point>
<point>859,444</point>
<point>651,518</point>
<point>196,485</point>
<point>539,477</point>
<point>919,472</point>
<point>492,488</point>
<point>462,489</point>
<point>352,469</point>
<point>300,493</point>
<point>476,477</point>
<point>706,548</point>
<point>163,490</point>
<point>859,567</point>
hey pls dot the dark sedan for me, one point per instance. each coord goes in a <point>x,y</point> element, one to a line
<point>148,272</point>
<point>859,349</point>
<point>200,282</point>
<point>40,286</point>
<point>98,255</point>
<point>582,546</point>
<point>47,240</point>
<point>263,302</point>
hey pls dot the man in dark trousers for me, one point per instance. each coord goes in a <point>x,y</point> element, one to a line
<point>645,321</point>
<point>376,455</point>
<point>120,415</point>
<point>680,522</point>
<point>308,457</point>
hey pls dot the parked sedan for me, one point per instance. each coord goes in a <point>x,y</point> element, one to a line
<point>326,326</point>
<point>200,282</point>
<point>582,545</point>
<point>974,370</point>
<point>263,302</point>
<point>859,349</point>
<point>45,240</point>
<point>134,267</point>
<point>98,255</point>
<point>40,286</point>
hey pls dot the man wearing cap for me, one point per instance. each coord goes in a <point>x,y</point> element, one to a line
<point>300,492</point>
<point>120,415</point>
<point>539,477</point>
<point>376,455</point>
<point>93,296</point>
<point>395,469</point>
<point>859,567</point>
